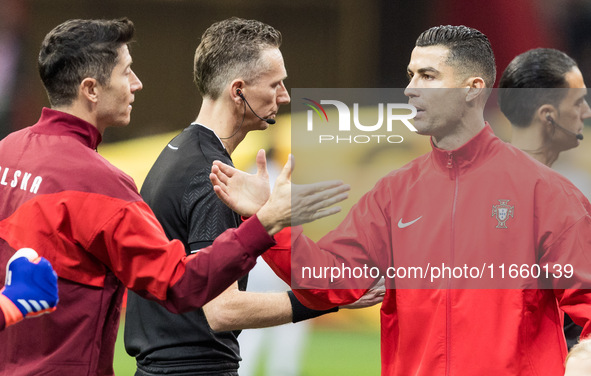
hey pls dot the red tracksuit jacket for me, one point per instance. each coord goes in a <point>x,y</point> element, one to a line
<point>60,197</point>
<point>459,196</point>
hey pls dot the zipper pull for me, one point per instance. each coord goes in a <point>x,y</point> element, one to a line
<point>450,162</point>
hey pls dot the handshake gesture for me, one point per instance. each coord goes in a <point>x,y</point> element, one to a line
<point>288,205</point>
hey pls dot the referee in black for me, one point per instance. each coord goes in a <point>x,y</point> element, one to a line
<point>239,72</point>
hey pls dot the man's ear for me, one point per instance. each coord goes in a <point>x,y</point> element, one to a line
<point>475,88</point>
<point>236,89</point>
<point>546,114</point>
<point>89,89</point>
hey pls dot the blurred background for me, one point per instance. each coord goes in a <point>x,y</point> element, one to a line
<point>329,43</point>
<point>326,44</point>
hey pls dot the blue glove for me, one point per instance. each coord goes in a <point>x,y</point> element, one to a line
<point>30,288</point>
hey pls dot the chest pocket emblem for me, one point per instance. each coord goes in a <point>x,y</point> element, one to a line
<point>502,212</point>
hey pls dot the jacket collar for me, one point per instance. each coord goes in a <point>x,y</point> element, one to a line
<point>53,122</point>
<point>470,155</point>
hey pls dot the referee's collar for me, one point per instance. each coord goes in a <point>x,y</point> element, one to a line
<point>212,131</point>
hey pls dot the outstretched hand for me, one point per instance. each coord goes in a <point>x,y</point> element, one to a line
<point>288,204</point>
<point>292,205</point>
<point>242,192</point>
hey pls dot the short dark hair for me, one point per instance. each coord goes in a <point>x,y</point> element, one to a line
<point>521,87</point>
<point>470,51</point>
<point>229,49</point>
<point>77,49</point>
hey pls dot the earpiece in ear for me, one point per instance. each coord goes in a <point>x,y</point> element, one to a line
<point>549,118</point>
<point>239,93</point>
<point>578,136</point>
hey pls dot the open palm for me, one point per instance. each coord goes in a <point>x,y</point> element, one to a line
<point>242,192</point>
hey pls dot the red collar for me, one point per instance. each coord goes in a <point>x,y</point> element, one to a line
<point>55,122</point>
<point>468,156</point>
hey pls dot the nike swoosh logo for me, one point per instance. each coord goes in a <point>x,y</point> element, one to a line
<point>403,225</point>
<point>173,147</point>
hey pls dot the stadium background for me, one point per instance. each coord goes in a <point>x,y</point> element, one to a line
<point>330,43</point>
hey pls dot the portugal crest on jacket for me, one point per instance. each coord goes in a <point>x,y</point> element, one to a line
<point>502,212</point>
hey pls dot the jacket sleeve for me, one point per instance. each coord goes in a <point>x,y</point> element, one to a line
<point>323,275</point>
<point>85,236</point>
<point>568,264</point>
<point>142,257</point>
<point>563,230</point>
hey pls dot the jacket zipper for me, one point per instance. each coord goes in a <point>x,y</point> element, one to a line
<point>453,169</point>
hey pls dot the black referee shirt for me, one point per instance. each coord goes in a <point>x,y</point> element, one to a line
<point>180,193</point>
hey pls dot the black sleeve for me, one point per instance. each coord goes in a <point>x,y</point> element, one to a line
<point>301,312</point>
<point>207,216</point>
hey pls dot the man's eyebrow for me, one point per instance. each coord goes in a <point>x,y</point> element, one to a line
<point>280,80</point>
<point>423,70</point>
<point>427,70</point>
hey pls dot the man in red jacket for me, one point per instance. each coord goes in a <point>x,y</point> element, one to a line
<point>542,93</point>
<point>60,197</point>
<point>473,202</point>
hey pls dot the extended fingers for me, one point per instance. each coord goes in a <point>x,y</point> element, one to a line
<point>287,169</point>
<point>222,194</point>
<point>309,207</point>
<point>223,169</point>
<point>262,163</point>
<point>317,192</point>
<point>220,188</point>
<point>320,202</point>
<point>323,186</point>
<point>215,179</point>
<point>325,212</point>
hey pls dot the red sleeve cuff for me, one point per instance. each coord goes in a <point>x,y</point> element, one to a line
<point>253,236</point>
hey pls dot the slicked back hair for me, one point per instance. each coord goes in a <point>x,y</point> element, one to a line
<point>470,52</point>
<point>531,80</point>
